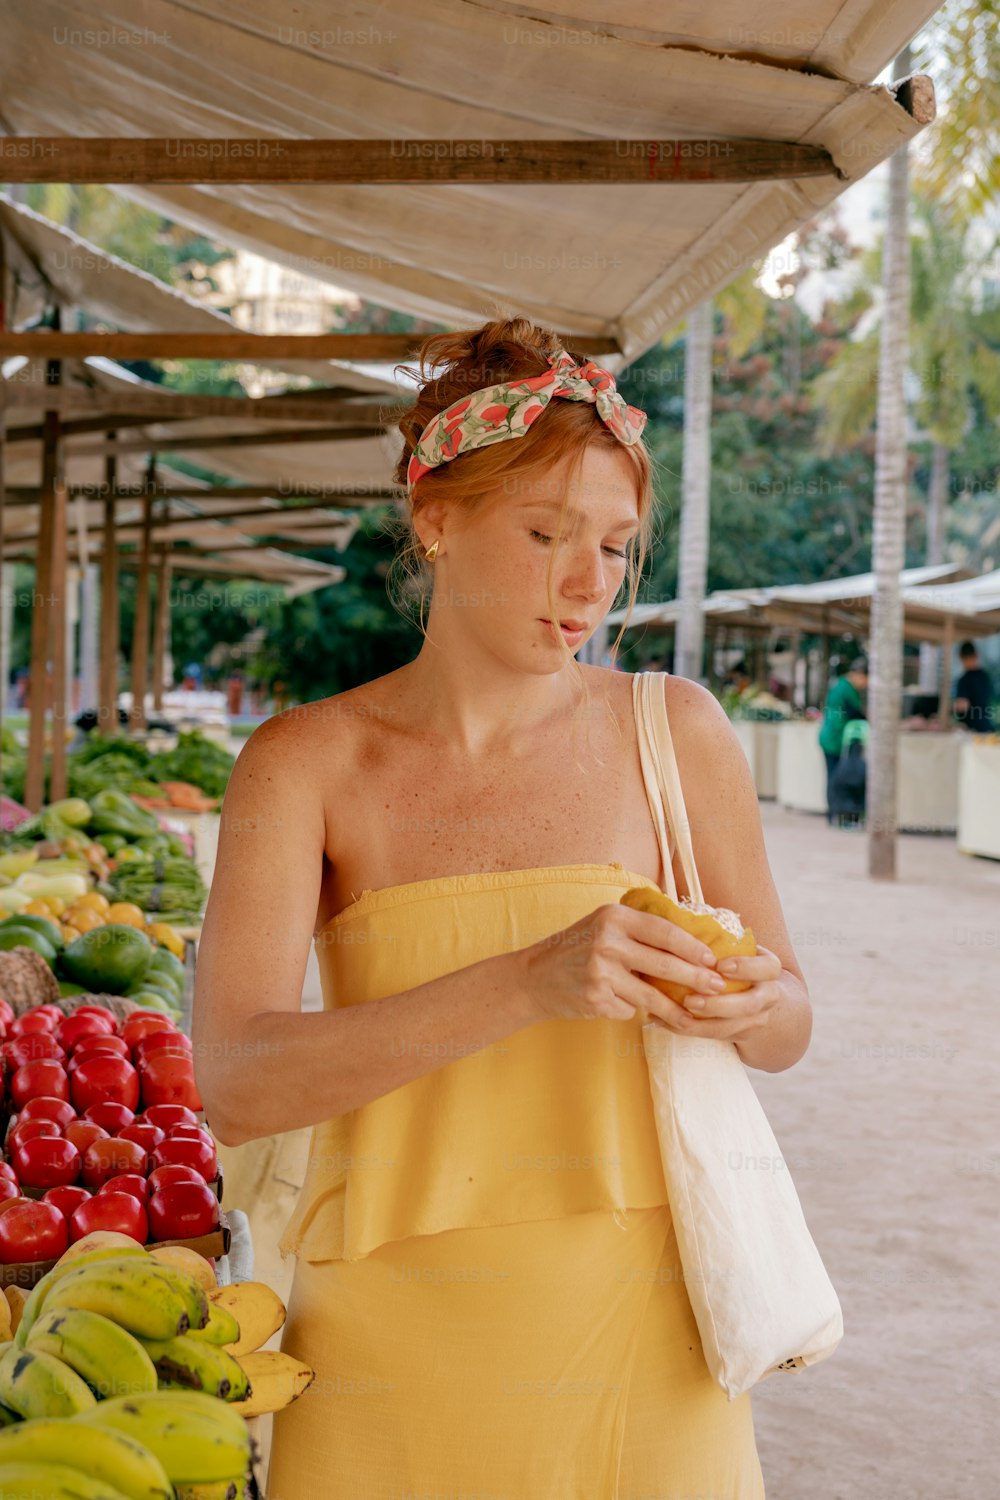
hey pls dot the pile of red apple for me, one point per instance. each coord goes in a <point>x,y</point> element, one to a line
<point>105,1131</point>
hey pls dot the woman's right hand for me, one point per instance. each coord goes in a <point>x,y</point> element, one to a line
<point>594,968</point>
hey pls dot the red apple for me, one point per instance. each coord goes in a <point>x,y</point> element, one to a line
<point>104,1159</point>
<point>168,1078</point>
<point>109,1115</point>
<point>46,1162</point>
<point>168,1115</point>
<point>88,1045</point>
<point>105,1077</point>
<point>148,1136</point>
<point>182,1211</point>
<point>66,1198</point>
<point>156,1041</point>
<point>138,1022</point>
<point>161,1177</point>
<point>120,1212</point>
<point>75,1027</point>
<point>31,1020</point>
<point>83,1132</point>
<point>43,1108</point>
<point>32,1231</point>
<point>127,1182</point>
<point>30,1048</point>
<point>45,1076</point>
<point>29,1130</point>
<point>174,1152</point>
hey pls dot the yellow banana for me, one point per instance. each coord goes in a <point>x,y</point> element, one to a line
<point>135,1297</point>
<point>8,1417</point>
<point>257,1309</point>
<point>219,1489</point>
<point>100,1451</point>
<point>43,1481</point>
<point>103,1353</point>
<point>39,1385</point>
<point>221,1328</point>
<point>190,1291</point>
<point>198,1366</point>
<point>276,1380</point>
<point>197,1438</point>
<point>41,1289</point>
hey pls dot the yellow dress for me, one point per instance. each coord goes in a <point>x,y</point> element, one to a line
<point>487,1281</point>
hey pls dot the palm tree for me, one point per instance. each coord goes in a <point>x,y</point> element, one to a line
<point>958,159</point>
<point>692,560</point>
<point>886,636</point>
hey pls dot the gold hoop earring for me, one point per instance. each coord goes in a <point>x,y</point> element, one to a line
<point>432,551</point>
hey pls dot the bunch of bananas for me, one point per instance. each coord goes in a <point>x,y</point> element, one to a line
<point>159,1364</point>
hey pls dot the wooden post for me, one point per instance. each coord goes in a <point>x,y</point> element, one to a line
<point>41,615</point>
<point>57,625</point>
<point>107,708</point>
<point>140,638</point>
<point>161,623</point>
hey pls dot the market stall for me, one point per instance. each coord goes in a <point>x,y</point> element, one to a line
<point>979,795</point>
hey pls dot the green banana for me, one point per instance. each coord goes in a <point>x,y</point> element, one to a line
<point>191,1292</point>
<point>199,1366</point>
<point>197,1438</point>
<point>62,1268</point>
<point>134,1297</point>
<point>39,1385</point>
<point>221,1328</point>
<point>106,1355</point>
<point>109,1456</point>
<point>44,1481</point>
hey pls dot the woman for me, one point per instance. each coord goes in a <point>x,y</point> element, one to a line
<point>487,1282</point>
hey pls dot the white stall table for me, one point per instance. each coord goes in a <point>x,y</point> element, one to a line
<point>759,738</point>
<point>979,796</point>
<point>927,775</point>
<point>801,769</point>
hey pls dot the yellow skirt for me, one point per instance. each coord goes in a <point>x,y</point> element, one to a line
<point>556,1359</point>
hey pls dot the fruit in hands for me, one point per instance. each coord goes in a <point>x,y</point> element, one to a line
<point>109,1456</point>
<point>105,1355</point>
<point>716,926</point>
<point>258,1310</point>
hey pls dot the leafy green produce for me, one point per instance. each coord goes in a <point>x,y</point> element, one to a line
<point>171,887</point>
<point>197,759</point>
<point>115,812</point>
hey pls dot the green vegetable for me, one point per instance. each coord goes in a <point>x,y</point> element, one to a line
<point>153,984</point>
<point>13,936</point>
<point>114,812</point>
<point>196,759</point>
<point>168,966</point>
<point>172,887</point>
<point>107,960</point>
<point>66,989</point>
<point>73,810</point>
<point>153,1000</point>
<point>111,842</point>
<point>44,925</point>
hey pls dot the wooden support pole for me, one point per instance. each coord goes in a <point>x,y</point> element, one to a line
<point>161,623</point>
<point>286,159</point>
<point>108,694</point>
<point>140,638</point>
<point>40,682</point>
<point>57,583</point>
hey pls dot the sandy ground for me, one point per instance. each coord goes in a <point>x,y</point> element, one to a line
<point>890,1126</point>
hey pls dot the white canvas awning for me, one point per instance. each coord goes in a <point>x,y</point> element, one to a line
<point>626,260</point>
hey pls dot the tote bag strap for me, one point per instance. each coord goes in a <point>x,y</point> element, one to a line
<point>662,778</point>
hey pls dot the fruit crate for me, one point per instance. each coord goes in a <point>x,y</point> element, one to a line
<point>212,1246</point>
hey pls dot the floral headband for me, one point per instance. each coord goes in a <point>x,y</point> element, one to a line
<point>499,412</point>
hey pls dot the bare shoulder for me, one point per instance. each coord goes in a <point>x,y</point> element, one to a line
<point>317,737</point>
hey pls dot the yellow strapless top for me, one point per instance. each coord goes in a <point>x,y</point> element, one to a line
<point>556,1119</point>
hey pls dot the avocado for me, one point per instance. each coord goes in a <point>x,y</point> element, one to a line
<point>44,925</point>
<point>109,959</point>
<point>14,936</point>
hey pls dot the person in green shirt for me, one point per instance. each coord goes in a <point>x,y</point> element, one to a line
<point>843,703</point>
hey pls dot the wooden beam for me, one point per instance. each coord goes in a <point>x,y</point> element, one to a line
<point>947,646</point>
<point>161,623</point>
<point>108,704</point>
<point>41,622</point>
<point>348,498</point>
<point>266,438</point>
<point>135,411</point>
<point>140,638</point>
<point>60,705</point>
<point>134,159</point>
<point>243,346</point>
<point>318,403</point>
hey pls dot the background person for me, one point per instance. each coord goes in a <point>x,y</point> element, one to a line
<point>973,702</point>
<point>843,703</point>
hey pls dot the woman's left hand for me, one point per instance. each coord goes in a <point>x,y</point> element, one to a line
<point>734,1015</point>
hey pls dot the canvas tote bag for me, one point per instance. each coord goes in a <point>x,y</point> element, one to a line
<point>759,1290</point>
